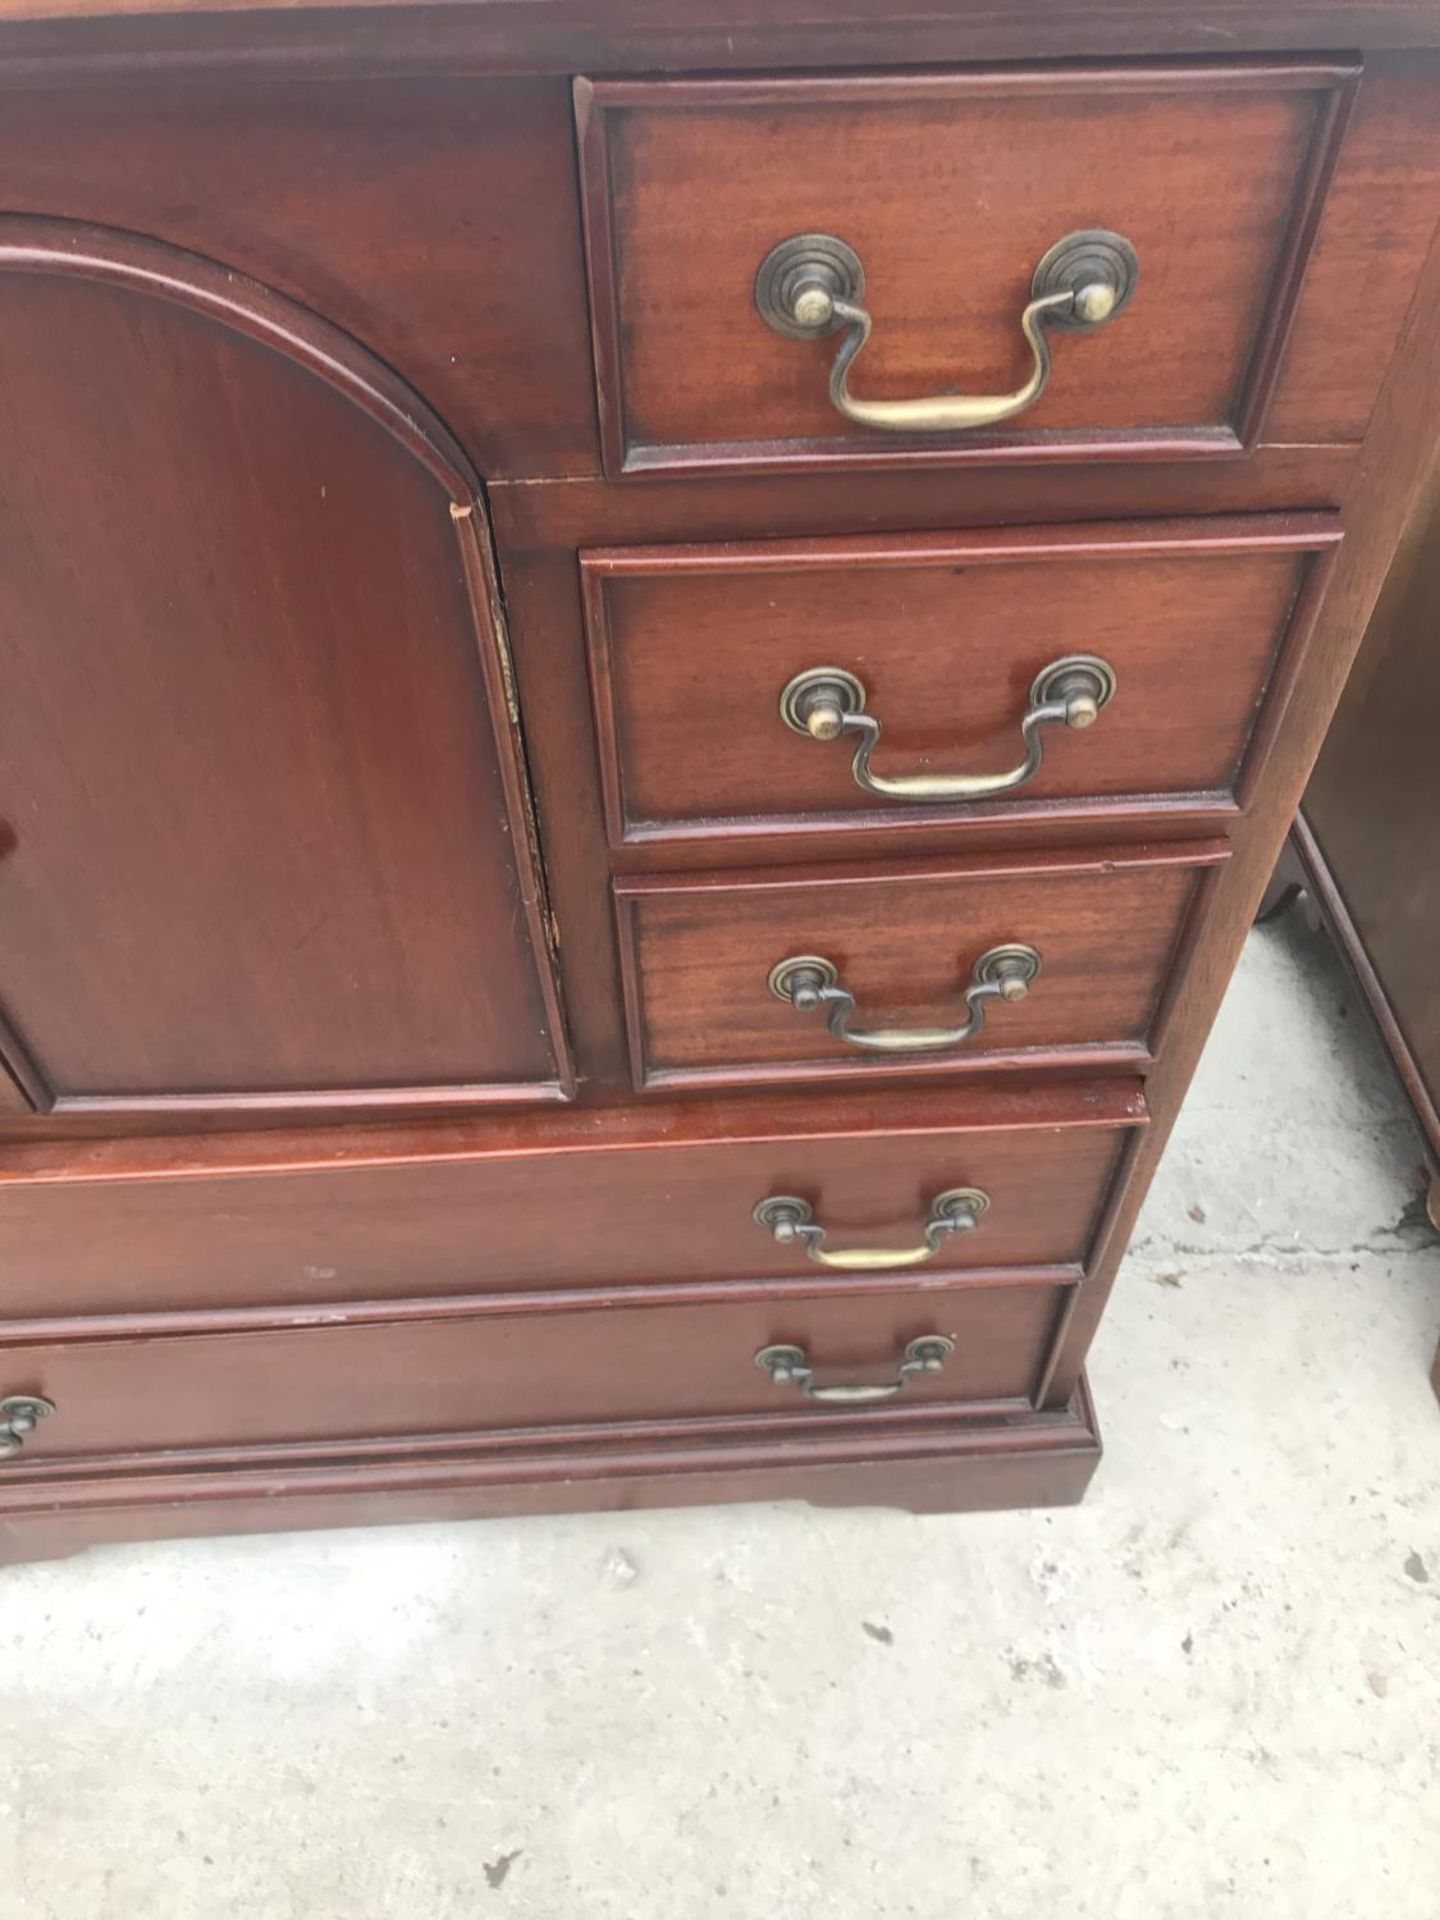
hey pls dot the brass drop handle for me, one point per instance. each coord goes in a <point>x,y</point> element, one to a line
<point>827,702</point>
<point>790,1367</point>
<point>20,1414</point>
<point>791,1222</point>
<point>812,284</point>
<point>806,981</point>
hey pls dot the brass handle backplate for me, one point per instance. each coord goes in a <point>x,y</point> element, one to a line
<point>806,981</point>
<point>827,702</point>
<point>812,284</point>
<point>20,1414</point>
<point>790,1367</point>
<point>791,1222</point>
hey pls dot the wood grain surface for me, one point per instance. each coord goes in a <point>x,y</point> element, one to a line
<point>266,838</point>
<point>919,1458</point>
<point>691,648</point>
<point>1368,828</point>
<point>277,1226</point>
<point>267,859</point>
<point>435,218</point>
<point>1398,460</point>
<point>698,951</point>
<point>950,188</point>
<point>114,1398</point>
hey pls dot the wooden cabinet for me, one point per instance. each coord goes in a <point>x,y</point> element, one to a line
<point>616,846</point>
<point>1363,846</point>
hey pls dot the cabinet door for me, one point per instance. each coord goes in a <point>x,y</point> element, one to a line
<point>265,839</point>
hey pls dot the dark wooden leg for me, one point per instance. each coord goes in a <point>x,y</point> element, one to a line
<point>1432,1213</point>
<point>1286,882</point>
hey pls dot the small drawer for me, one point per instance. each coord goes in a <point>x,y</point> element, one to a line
<point>421,1382</point>
<point>943,650</point>
<point>344,1223</point>
<point>1085,261</point>
<point>1056,960</point>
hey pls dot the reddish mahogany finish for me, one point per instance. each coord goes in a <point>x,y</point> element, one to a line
<point>1367,833</point>
<point>268,835</point>
<point>1214,173</point>
<point>691,648</point>
<point>267,1228</point>
<point>360,1192</point>
<point>433,217</point>
<point>934,1464</point>
<point>697,953</point>
<point>1364,845</point>
<point>436,1382</point>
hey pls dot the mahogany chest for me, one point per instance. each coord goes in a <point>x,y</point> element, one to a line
<point>651,670</point>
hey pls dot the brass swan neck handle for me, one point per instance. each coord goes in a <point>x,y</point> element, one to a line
<point>20,1414</point>
<point>791,1223</point>
<point>807,981</point>
<point>827,703</point>
<point>790,1366</point>
<point>812,284</point>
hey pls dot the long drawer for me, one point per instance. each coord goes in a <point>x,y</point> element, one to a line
<point>780,976</point>
<point>273,1223</point>
<point>968,1344</point>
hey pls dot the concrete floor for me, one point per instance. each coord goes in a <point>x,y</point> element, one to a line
<point>1214,1690</point>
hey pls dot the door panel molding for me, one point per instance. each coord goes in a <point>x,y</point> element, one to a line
<point>418,876</point>
<point>76,249</point>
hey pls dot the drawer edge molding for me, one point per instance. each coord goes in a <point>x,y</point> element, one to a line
<point>563,1131</point>
<point>168,283</point>
<point>598,1296</point>
<point>1334,78</point>
<point>1041,1463</point>
<point>244,1238</point>
<point>1118,1054</point>
<point>561,1456</point>
<point>1313,537</point>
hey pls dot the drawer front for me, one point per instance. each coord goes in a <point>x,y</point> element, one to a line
<point>219,1225</point>
<point>946,194</point>
<point>947,637</point>
<point>506,1371</point>
<point>717,966</point>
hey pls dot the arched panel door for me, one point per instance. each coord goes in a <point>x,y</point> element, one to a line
<point>265,840</point>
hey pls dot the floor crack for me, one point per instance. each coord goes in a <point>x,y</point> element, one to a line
<point>1278,1249</point>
